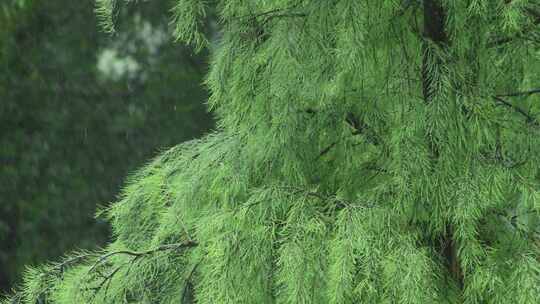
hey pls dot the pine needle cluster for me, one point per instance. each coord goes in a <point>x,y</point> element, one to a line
<point>376,151</point>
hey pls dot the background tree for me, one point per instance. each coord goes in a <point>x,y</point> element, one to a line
<point>78,111</point>
<point>368,151</point>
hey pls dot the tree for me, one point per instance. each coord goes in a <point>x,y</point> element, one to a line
<point>78,110</point>
<point>371,151</point>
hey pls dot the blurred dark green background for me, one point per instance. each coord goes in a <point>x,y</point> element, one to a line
<point>79,110</point>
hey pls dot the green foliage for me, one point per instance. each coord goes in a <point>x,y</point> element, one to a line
<point>105,10</point>
<point>189,17</point>
<point>359,159</point>
<point>73,120</point>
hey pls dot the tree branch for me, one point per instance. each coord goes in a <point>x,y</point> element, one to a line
<point>523,93</point>
<point>434,30</point>
<point>359,128</point>
<point>275,13</point>
<point>504,40</point>
<point>529,118</point>
<point>188,284</point>
<point>327,149</point>
<point>138,254</point>
<point>337,202</point>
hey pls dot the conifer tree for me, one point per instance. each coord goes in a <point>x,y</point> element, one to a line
<point>375,151</point>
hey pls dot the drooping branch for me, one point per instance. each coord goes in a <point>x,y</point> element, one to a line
<point>327,149</point>
<point>528,117</point>
<point>434,32</point>
<point>107,279</point>
<point>522,93</point>
<point>359,127</point>
<point>138,254</point>
<point>500,99</point>
<point>257,21</point>
<point>189,284</point>
<point>502,41</point>
<point>271,14</point>
<point>58,269</point>
<point>335,203</point>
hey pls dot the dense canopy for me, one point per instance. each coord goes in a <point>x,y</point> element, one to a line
<point>375,151</point>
